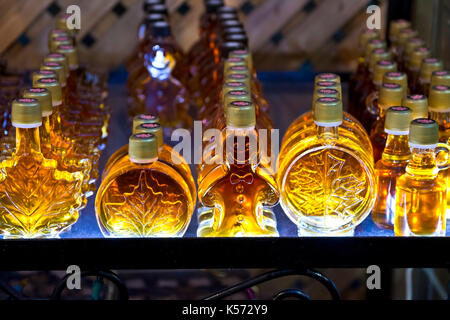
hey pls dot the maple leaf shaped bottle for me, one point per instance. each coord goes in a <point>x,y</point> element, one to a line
<point>326,180</point>
<point>420,204</point>
<point>391,165</point>
<point>36,199</point>
<point>238,194</point>
<point>143,196</point>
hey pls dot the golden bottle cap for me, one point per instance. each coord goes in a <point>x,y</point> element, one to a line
<point>233,61</point>
<point>52,85</point>
<point>144,118</point>
<point>418,103</point>
<point>405,35</point>
<point>327,76</point>
<point>328,112</point>
<point>153,128</point>
<point>381,67</point>
<point>60,58</point>
<point>143,148</point>
<point>412,44</point>
<point>58,68</point>
<point>440,77</point>
<point>43,96</point>
<point>416,57</point>
<point>244,54</point>
<point>71,53</point>
<point>372,45</point>
<point>391,94</point>
<point>240,114</point>
<point>325,92</point>
<point>398,120</point>
<point>439,99</point>
<point>395,26</point>
<point>366,36</point>
<point>428,66</point>
<point>423,132</point>
<point>41,74</point>
<point>377,55</point>
<point>396,77</point>
<point>59,41</point>
<point>26,113</point>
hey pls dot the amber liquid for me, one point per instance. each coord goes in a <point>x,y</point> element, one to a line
<point>388,169</point>
<point>420,198</point>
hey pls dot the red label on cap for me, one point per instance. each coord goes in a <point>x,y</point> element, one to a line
<point>147,117</point>
<point>143,135</point>
<point>399,108</point>
<point>238,76</point>
<point>440,88</point>
<point>63,38</point>
<point>238,93</point>
<point>150,125</point>
<point>385,62</point>
<point>65,46</point>
<point>379,50</point>
<point>422,49</point>
<point>240,68</point>
<point>394,74</point>
<point>430,60</point>
<point>52,64</point>
<point>239,51</point>
<point>440,73</point>
<point>37,90</point>
<point>326,83</point>
<point>235,59</point>
<point>328,99</point>
<point>55,55</point>
<point>416,97</point>
<point>391,85</point>
<point>47,80</point>
<point>327,76</point>
<point>27,100</point>
<point>425,121</point>
<point>46,72</point>
<point>327,91</point>
<point>234,84</point>
<point>241,103</point>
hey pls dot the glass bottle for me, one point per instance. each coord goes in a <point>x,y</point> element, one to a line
<point>410,46</point>
<point>421,193</point>
<point>429,65</point>
<point>143,196</point>
<point>402,39</point>
<point>391,165</point>
<point>440,78</point>
<point>36,199</point>
<point>391,95</point>
<point>326,181</point>
<point>238,194</point>
<point>395,27</point>
<point>413,67</point>
<point>370,112</point>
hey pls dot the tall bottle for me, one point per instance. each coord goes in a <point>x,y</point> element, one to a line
<point>142,196</point>
<point>326,180</point>
<point>421,193</point>
<point>238,195</point>
<point>391,165</point>
<point>36,199</point>
<point>429,65</point>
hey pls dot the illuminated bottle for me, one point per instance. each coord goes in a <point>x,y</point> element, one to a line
<point>391,95</point>
<point>413,67</point>
<point>370,112</point>
<point>391,165</point>
<point>237,196</point>
<point>143,196</point>
<point>36,199</point>
<point>429,65</point>
<point>421,193</point>
<point>326,181</point>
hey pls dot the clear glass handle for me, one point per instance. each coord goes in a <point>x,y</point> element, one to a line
<point>442,152</point>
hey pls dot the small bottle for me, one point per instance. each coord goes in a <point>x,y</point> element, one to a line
<point>143,196</point>
<point>421,193</point>
<point>326,181</point>
<point>391,95</point>
<point>237,196</point>
<point>429,65</point>
<point>36,199</point>
<point>391,165</point>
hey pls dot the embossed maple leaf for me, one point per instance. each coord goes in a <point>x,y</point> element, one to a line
<point>322,183</point>
<point>149,209</point>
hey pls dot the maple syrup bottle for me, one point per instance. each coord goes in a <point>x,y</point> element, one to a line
<point>357,78</point>
<point>413,67</point>
<point>440,78</point>
<point>143,196</point>
<point>36,199</point>
<point>326,181</point>
<point>370,112</point>
<point>429,65</point>
<point>395,27</point>
<point>391,165</point>
<point>391,95</point>
<point>238,195</point>
<point>403,37</point>
<point>421,192</point>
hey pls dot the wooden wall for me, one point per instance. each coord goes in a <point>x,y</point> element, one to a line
<point>284,34</point>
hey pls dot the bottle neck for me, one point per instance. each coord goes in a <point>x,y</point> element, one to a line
<point>27,141</point>
<point>397,148</point>
<point>422,163</point>
<point>241,145</point>
<point>327,131</point>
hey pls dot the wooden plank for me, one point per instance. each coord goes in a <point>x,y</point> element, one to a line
<point>16,16</point>
<point>268,18</point>
<point>320,25</point>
